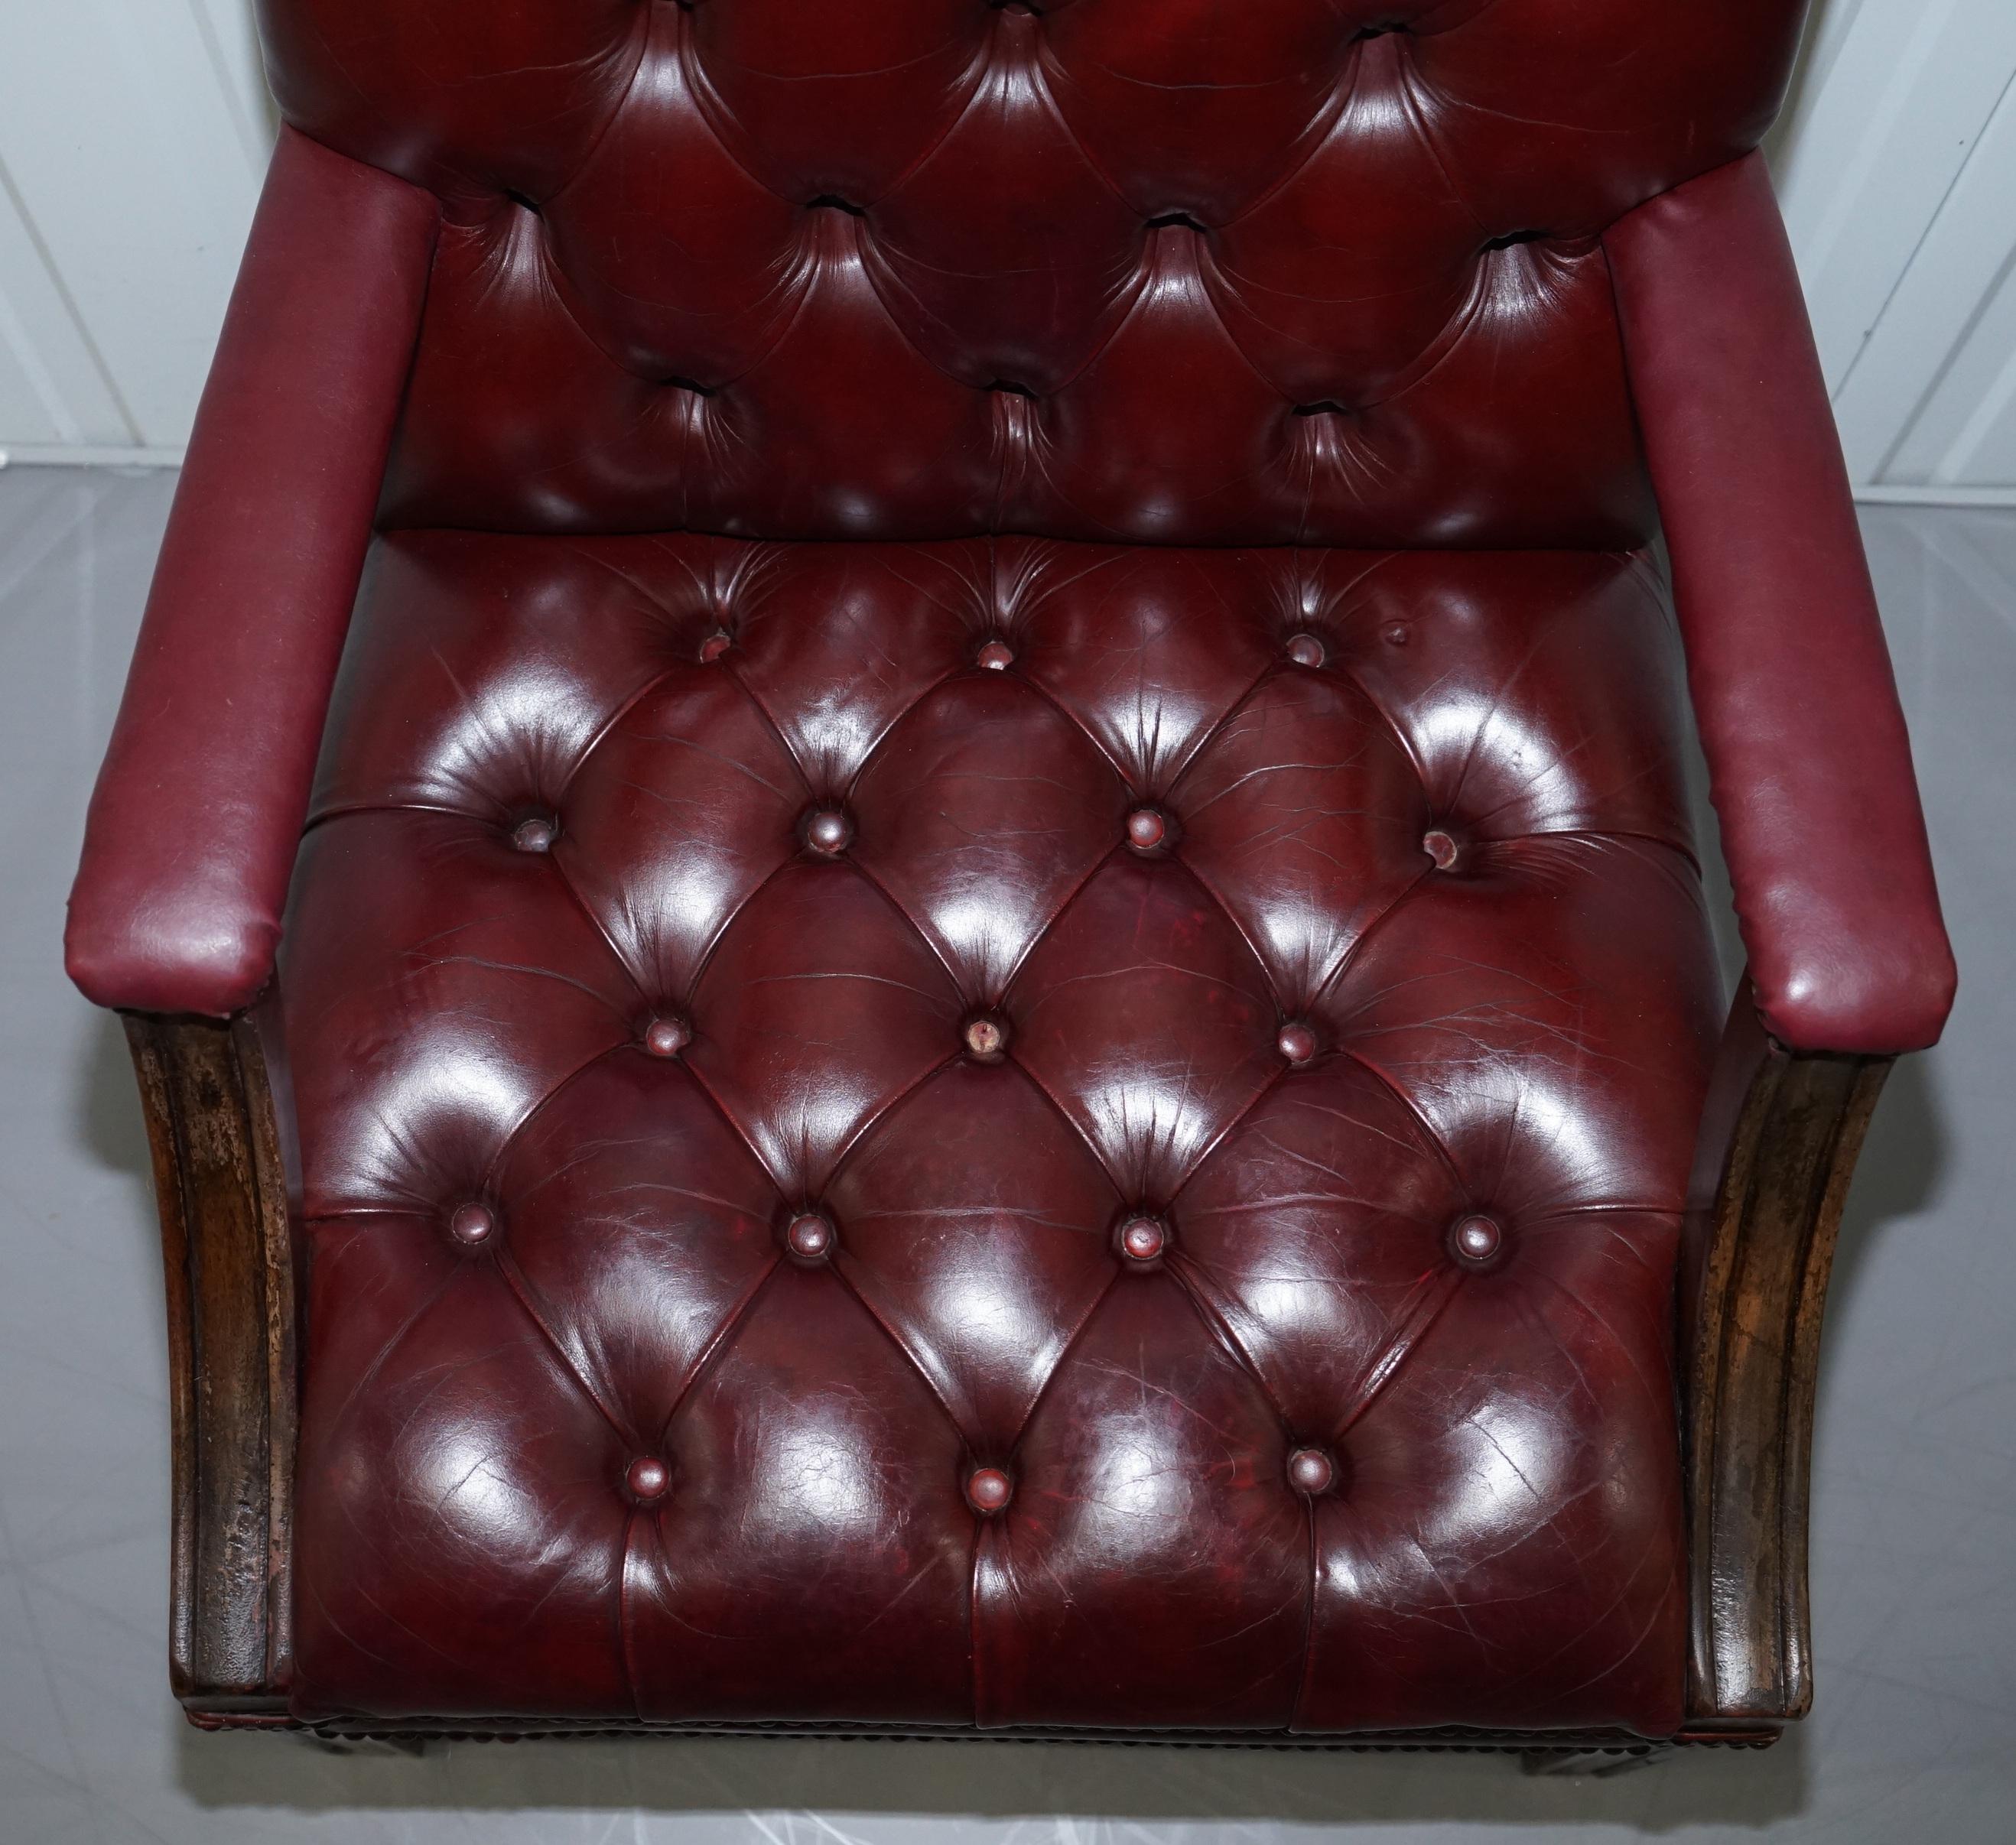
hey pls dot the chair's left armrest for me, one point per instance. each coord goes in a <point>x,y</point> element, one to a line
<point>1809,764</point>
<point>191,838</point>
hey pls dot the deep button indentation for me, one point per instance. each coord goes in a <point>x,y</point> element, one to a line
<point>829,831</point>
<point>536,832</point>
<point>1147,831</point>
<point>986,1039</point>
<point>1306,650</point>
<point>997,657</point>
<point>472,1224</point>
<point>647,1478</point>
<point>1396,634</point>
<point>1475,1240</point>
<point>1441,847</point>
<point>1296,1042</point>
<point>988,1489</point>
<point>715,646</point>
<point>1143,1240</point>
<point>1310,1471</point>
<point>666,1037</point>
<point>1512,237</point>
<point>1328,407</point>
<point>810,1237</point>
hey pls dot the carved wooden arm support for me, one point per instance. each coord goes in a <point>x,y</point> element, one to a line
<point>222,1190</point>
<point>1778,1148</point>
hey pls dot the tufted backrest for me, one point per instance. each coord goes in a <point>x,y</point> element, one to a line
<point>1320,271</point>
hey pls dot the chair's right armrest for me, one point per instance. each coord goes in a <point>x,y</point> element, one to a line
<point>190,842</point>
<point>1809,767</point>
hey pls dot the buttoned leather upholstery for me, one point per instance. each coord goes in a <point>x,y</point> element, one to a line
<point>997,998</point>
<point>1421,808</point>
<point>1316,272</point>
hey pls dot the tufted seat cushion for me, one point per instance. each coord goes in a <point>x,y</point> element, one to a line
<point>997,1132</point>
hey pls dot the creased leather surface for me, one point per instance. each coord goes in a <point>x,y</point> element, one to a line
<point>567,798</point>
<point>197,811</point>
<point>1809,765</point>
<point>1322,271</point>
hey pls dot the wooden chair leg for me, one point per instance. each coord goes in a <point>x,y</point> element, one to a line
<point>1780,1143</point>
<point>221,1189</point>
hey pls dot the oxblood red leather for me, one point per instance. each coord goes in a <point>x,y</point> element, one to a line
<point>1809,763</point>
<point>997,1125</point>
<point>1521,1033</point>
<point>1200,272</point>
<point>197,812</point>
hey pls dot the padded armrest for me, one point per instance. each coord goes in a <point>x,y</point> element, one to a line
<point>1809,764</point>
<point>192,829</point>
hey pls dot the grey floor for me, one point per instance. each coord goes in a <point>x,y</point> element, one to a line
<point>1916,1507</point>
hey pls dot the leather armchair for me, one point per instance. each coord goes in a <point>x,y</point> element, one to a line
<point>898,864</point>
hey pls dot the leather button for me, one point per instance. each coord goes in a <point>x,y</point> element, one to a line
<point>986,1040</point>
<point>1310,1471</point>
<point>1147,829</point>
<point>1475,1240</point>
<point>1441,847</point>
<point>535,833</point>
<point>997,656</point>
<point>1306,650</point>
<point>647,1478</point>
<point>472,1224</point>
<point>989,1489</point>
<point>1297,1043</point>
<point>1142,1239</point>
<point>810,1237</point>
<point>1396,633</point>
<point>829,831</point>
<point>715,646</point>
<point>666,1037</point>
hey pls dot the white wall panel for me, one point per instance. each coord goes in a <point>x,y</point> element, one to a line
<point>53,388</point>
<point>133,132</point>
<point>1897,175</point>
<point>1881,139</point>
<point>132,158</point>
<point>1930,361</point>
<point>1827,23</point>
<point>232,36</point>
<point>1965,434</point>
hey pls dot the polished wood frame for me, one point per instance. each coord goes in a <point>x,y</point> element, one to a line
<point>1779,1141</point>
<point>1778,1144</point>
<point>226,1245</point>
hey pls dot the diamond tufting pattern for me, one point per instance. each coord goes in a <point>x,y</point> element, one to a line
<point>1264,1326</point>
<point>1201,272</point>
<point>997,998</point>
